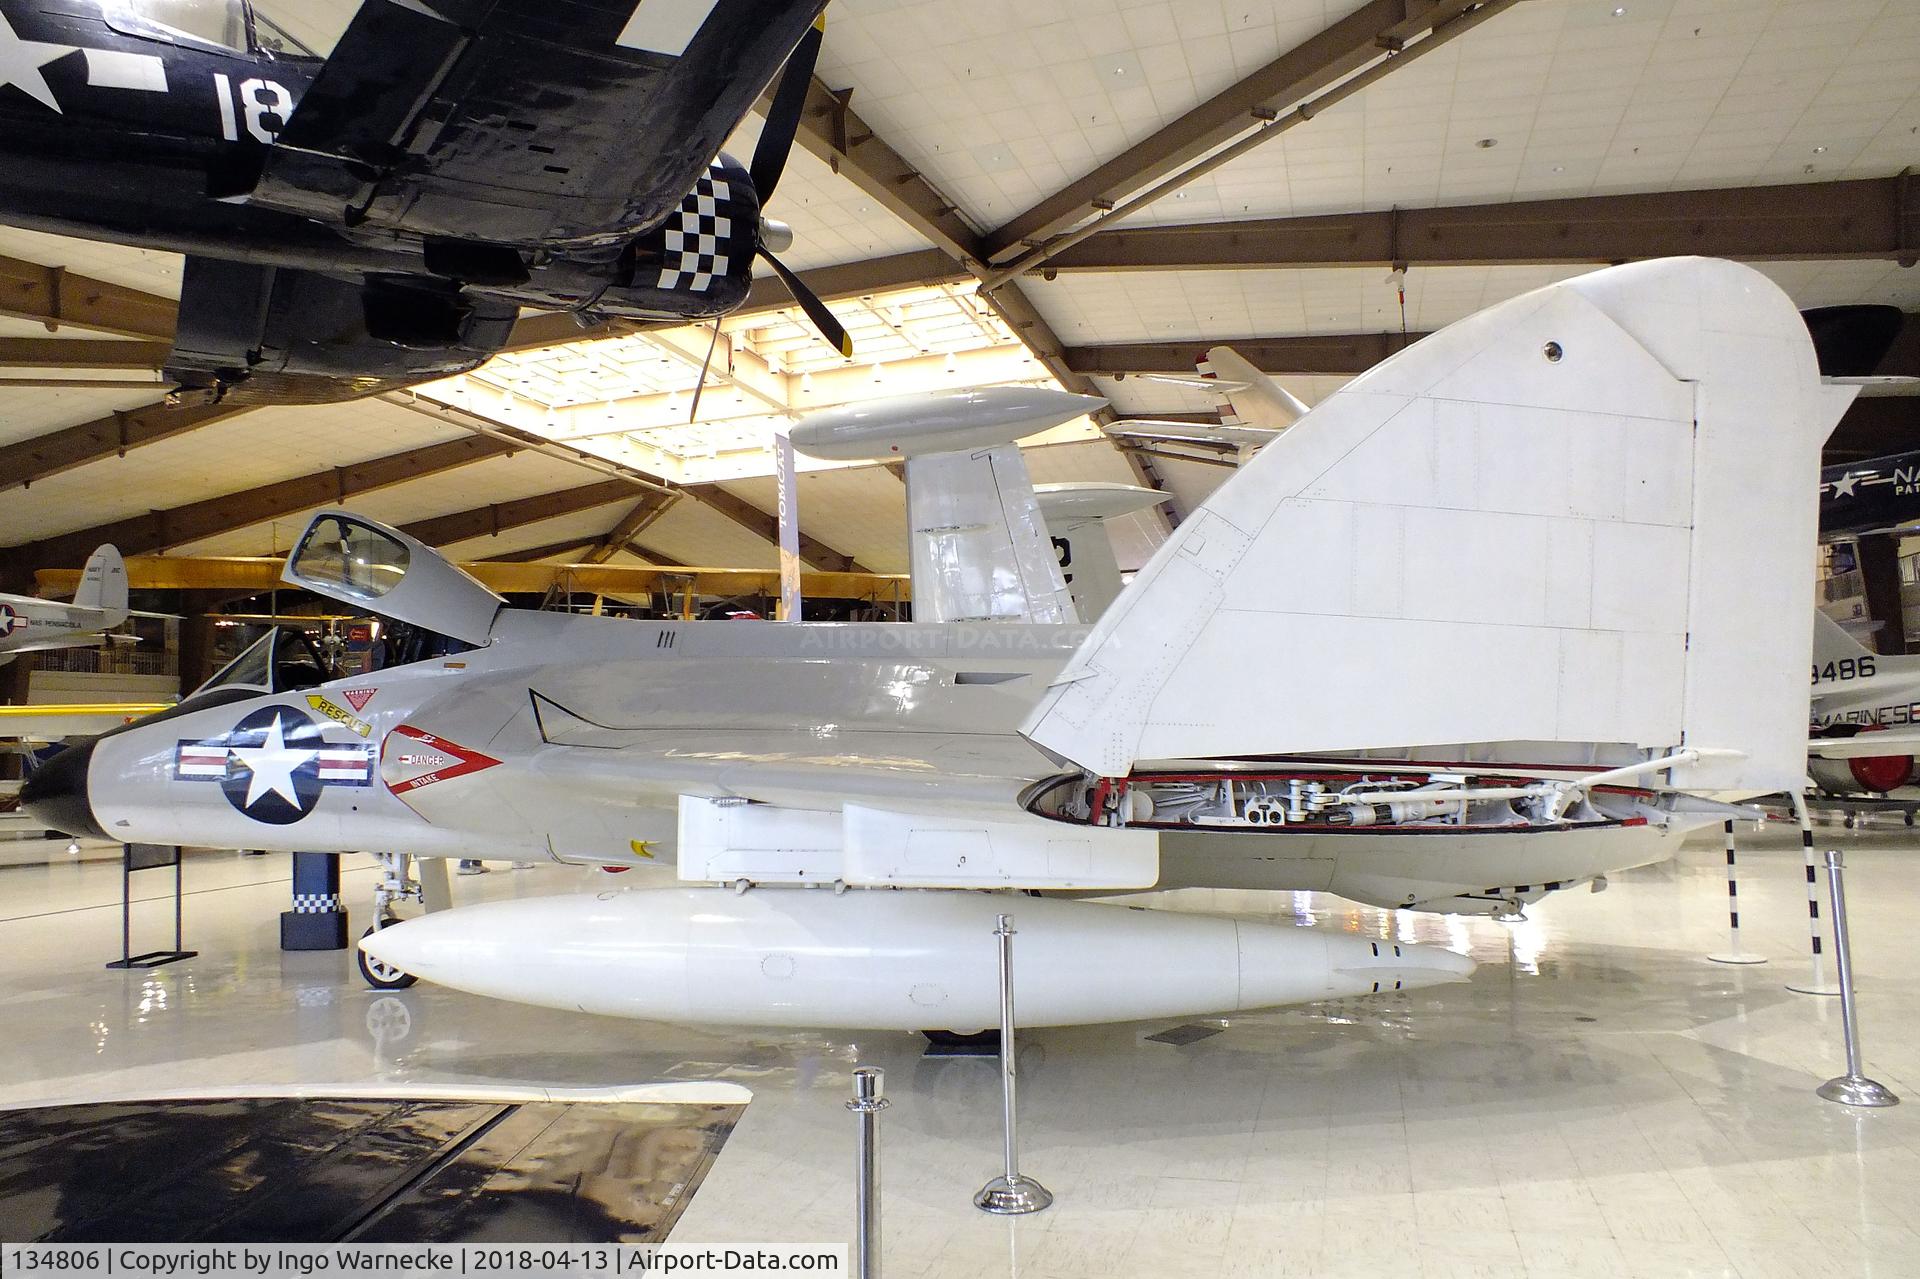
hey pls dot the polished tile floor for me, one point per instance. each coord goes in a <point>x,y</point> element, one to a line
<point>1599,1100</point>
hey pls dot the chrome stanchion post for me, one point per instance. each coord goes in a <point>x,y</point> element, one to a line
<point>867,1103</point>
<point>1852,1088</point>
<point>1009,1194</point>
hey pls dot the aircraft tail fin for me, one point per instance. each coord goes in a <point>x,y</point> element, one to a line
<point>1256,400</point>
<point>1579,522</point>
<point>1832,643</point>
<point>1076,513</point>
<point>103,585</point>
<point>980,549</point>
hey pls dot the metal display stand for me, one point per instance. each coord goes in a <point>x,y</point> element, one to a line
<point>867,1103</point>
<point>1816,981</point>
<point>318,920</point>
<point>1009,1194</point>
<point>1852,1088</point>
<point>1734,953</point>
<point>148,857</point>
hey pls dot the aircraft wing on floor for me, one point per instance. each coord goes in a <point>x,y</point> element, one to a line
<point>516,122</point>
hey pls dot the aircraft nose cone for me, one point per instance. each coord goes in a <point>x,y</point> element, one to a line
<point>56,794</point>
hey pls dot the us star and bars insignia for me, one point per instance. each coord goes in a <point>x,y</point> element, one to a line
<point>273,765</point>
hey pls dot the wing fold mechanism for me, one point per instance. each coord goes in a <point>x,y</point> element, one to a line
<point>1576,527</point>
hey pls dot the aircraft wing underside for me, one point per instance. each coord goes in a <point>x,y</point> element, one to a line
<point>518,122</point>
<point>903,809</point>
<point>275,335</point>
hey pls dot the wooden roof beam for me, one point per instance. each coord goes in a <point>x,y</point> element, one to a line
<point>1331,353</point>
<point>31,460</point>
<point>632,524</point>
<point>1301,72</point>
<point>1867,218</point>
<point>499,517</point>
<point>161,530</point>
<point>767,527</point>
<point>59,298</point>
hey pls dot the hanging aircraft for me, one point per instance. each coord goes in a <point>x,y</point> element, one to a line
<point>379,217</point>
<point>29,624</point>
<point>1508,612</point>
<point>1871,496</point>
<point>1253,409</point>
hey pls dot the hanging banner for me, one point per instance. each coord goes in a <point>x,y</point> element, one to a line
<point>789,525</point>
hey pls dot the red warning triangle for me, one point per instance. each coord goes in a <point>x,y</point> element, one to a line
<point>358,697</point>
<point>411,758</point>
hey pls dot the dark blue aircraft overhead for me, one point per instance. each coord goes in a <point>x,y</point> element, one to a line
<point>1865,497</point>
<point>379,217</point>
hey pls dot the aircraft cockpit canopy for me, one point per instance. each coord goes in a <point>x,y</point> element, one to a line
<point>354,558</point>
<point>345,557</point>
<point>223,23</point>
<point>280,661</point>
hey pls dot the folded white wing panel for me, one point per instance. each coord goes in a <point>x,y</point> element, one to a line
<point>1584,515</point>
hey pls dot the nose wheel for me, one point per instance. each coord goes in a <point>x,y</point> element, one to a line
<point>376,974</point>
<point>396,884</point>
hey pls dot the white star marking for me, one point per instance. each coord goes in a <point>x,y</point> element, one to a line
<point>21,60</point>
<point>272,764</point>
<point>1843,487</point>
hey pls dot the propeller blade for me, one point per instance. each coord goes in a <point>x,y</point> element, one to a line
<point>823,320</point>
<point>783,117</point>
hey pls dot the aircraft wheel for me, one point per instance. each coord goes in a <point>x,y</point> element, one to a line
<point>378,975</point>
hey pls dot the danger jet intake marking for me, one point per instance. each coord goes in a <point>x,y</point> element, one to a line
<point>408,748</point>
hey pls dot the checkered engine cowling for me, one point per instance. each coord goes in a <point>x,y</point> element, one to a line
<point>699,262</point>
<point>705,240</point>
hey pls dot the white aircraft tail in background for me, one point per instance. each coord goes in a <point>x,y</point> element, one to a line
<point>980,549</point>
<point>1076,513</point>
<point>1250,398</point>
<point>103,586</point>
<point>30,624</point>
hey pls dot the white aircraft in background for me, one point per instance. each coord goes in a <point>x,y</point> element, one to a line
<point>30,624</point>
<point>1865,714</point>
<point>1254,408</point>
<point>1412,653</point>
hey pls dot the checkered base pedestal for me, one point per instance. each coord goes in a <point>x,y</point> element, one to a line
<point>318,920</point>
<point>313,930</point>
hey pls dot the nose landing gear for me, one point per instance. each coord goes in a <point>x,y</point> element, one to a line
<point>396,885</point>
